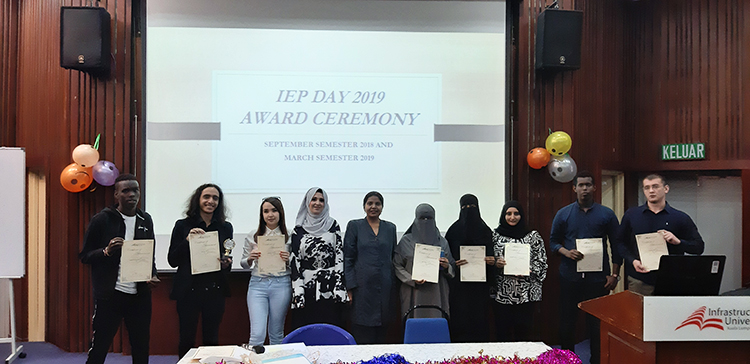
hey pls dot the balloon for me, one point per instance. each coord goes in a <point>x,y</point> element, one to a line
<point>85,155</point>
<point>105,173</point>
<point>562,169</point>
<point>75,178</point>
<point>558,143</point>
<point>538,158</point>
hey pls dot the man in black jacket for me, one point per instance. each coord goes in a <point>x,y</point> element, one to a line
<point>116,300</point>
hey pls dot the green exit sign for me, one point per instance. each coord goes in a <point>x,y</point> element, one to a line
<point>676,152</point>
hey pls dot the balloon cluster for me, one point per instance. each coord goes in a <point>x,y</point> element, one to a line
<point>86,167</point>
<point>555,156</point>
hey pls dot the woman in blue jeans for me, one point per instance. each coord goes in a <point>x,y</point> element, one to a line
<point>269,292</point>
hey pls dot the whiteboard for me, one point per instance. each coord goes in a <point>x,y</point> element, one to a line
<point>13,212</point>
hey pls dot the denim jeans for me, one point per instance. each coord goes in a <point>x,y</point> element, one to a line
<point>268,300</point>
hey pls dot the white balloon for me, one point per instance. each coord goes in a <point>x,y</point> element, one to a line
<point>563,168</point>
<point>85,155</point>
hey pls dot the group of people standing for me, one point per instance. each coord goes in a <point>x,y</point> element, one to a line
<point>586,219</point>
<point>366,268</point>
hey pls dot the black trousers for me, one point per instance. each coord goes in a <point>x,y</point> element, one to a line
<point>135,309</point>
<point>369,334</point>
<point>571,293</point>
<point>317,312</point>
<point>513,322</point>
<point>207,303</point>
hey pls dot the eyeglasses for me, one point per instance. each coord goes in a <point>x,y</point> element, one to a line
<point>276,197</point>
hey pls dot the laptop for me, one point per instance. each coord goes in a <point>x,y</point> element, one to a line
<point>689,275</point>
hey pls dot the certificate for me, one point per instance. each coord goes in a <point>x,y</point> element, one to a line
<point>473,270</point>
<point>270,262</point>
<point>593,255</point>
<point>517,259</point>
<point>426,263</point>
<point>204,252</point>
<point>651,247</point>
<point>136,261</point>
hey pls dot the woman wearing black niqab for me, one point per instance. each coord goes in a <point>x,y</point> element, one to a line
<point>469,300</point>
<point>423,231</point>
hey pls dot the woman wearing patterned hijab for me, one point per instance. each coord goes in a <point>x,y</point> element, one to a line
<point>317,264</point>
<point>469,302</point>
<point>515,296</point>
<point>423,231</point>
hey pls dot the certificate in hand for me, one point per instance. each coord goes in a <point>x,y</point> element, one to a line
<point>651,247</point>
<point>517,259</point>
<point>593,255</point>
<point>426,263</point>
<point>204,252</point>
<point>137,260</point>
<point>270,261</point>
<point>473,270</point>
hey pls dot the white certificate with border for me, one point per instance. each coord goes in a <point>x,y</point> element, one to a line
<point>136,261</point>
<point>517,259</point>
<point>204,252</point>
<point>270,261</point>
<point>426,263</point>
<point>474,270</point>
<point>593,255</point>
<point>651,247</point>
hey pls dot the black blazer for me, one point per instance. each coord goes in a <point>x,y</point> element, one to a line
<point>179,257</point>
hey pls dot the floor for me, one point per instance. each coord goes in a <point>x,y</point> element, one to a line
<point>40,352</point>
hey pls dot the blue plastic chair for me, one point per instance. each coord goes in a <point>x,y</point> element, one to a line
<point>426,330</point>
<point>320,334</point>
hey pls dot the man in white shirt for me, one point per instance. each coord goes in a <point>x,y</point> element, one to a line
<point>116,300</point>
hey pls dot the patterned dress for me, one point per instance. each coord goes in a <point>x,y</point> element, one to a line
<point>512,290</point>
<point>317,266</point>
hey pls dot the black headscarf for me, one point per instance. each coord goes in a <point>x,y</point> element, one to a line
<point>469,229</point>
<point>516,232</point>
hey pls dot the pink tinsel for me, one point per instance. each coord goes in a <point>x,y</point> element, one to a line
<point>554,356</point>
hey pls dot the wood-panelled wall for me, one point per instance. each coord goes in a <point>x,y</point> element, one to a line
<point>585,103</point>
<point>50,111</point>
<point>687,77</point>
<point>653,72</point>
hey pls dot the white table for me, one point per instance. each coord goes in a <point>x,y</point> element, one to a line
<point>413,352</point>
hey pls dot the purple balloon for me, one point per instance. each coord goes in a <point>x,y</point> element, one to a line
<point>105,173</point>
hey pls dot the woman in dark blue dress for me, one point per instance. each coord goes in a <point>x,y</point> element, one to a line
<point>368,251</point>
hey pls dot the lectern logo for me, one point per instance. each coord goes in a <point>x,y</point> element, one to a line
<point>698,319</point>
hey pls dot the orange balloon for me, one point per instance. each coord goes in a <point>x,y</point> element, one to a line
<point>538,158</point>
<point>75,178</point>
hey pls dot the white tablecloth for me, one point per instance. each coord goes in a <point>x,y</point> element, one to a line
<point>414,352</point>
<point>424,352</point>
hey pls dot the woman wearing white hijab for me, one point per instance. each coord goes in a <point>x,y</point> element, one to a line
<point>317,264</point>
<point>423,231</point>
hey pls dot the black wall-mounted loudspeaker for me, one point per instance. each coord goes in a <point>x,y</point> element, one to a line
<point>85,39</point>
<point>558,40</point>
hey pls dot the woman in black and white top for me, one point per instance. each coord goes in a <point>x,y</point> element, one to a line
<point>515,296</point>
<point>317,264</point>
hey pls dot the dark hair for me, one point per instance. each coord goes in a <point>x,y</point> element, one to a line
<point>583,174</point>
<point>370,194</point>
<point>262,223</point>
<point>125,177</point>
<point>655,176</point>
<point>194,208</point>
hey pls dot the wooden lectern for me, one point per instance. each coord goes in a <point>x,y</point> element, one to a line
<point>621,336</point>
